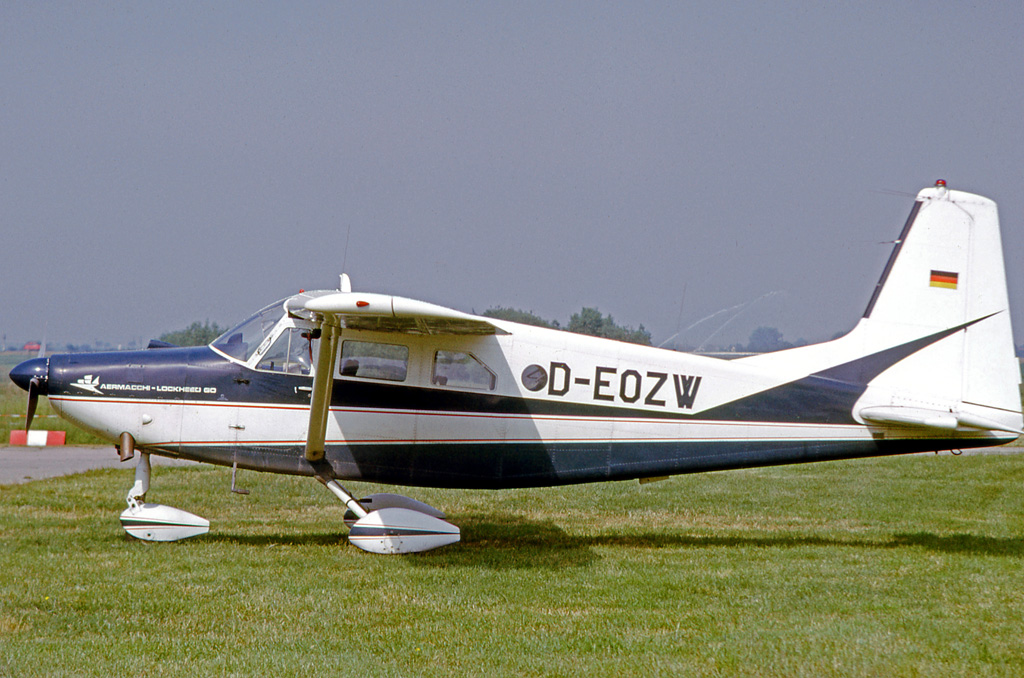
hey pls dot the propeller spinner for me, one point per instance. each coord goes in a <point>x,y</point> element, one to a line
<point>31,376</point>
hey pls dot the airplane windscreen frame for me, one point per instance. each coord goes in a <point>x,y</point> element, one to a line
<point>242,341</point>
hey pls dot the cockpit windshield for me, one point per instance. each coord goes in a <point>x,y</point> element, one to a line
<point>242,340</point>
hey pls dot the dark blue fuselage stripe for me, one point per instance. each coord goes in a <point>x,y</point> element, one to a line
<point>511,465</point>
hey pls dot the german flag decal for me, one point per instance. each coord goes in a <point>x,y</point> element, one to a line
<point>944,279</point>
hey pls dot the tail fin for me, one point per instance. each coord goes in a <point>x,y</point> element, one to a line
<point>945,280</point>
<point>935,346</point>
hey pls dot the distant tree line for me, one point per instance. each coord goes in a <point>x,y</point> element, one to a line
<point>524,317</point>
<point>766,340</point>
<point>196,334</point>
<point>591,321</point>
<point>588,321</point>
<point>762,340</point>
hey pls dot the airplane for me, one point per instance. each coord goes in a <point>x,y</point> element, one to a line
<point>344,385</point>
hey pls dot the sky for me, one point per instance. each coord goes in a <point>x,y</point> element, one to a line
<point>162,163</point>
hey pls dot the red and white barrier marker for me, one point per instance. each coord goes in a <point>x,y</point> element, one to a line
<point>38,438</point>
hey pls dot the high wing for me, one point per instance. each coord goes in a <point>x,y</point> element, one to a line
<point>387,313</point>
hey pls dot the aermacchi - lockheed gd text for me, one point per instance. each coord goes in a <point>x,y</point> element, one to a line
<point>343,385</point>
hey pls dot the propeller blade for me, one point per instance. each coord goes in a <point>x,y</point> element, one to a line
<point>33,400</point>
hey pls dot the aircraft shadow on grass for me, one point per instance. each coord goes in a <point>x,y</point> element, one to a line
<point>490,541</point>
<point>508,541</point>
<point>968,544</point>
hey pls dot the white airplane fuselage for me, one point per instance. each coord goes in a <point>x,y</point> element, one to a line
<point>601,410</point>
<point>423,395</point>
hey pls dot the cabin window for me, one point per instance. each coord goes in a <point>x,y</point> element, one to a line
<point>462,370</point>
<point>370,360</point>
<point>292,353</point>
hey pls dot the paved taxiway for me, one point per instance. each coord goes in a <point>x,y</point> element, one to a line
<point>24,464</point>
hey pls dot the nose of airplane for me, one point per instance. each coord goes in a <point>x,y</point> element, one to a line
<point>25,372</point>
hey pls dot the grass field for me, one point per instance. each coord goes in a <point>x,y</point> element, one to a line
<point>899,566</point>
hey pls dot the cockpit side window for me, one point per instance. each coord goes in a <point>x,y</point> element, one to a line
<point>292,353</point>
<point>462,370</point>
<point>371,360</point>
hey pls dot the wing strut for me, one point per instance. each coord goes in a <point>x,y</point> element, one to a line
<point>396,524</point>
<point>323,382</point>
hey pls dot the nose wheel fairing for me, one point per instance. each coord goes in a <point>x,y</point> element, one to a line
<point>156,522</point>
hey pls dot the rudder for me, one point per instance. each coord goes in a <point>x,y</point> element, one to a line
<point>946,271</point>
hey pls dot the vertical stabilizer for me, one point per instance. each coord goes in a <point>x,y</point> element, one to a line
<point>946,272</point>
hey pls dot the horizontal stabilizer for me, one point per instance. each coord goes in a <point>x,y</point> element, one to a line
<point>925,418</point>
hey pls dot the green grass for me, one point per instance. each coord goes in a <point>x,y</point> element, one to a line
<point>898,566</point>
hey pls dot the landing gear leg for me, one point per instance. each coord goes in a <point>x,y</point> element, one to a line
<point>137,495</point>
<point>346,498</point>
